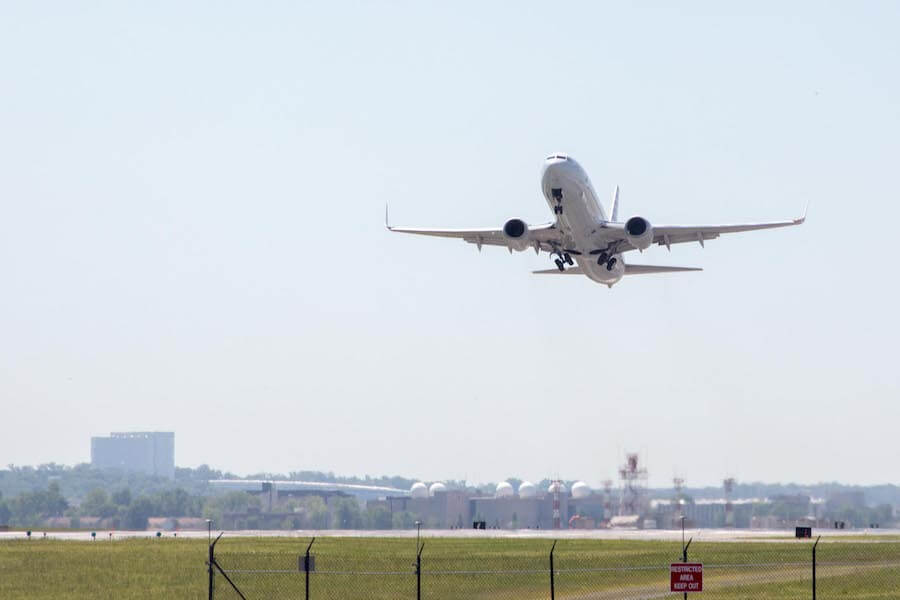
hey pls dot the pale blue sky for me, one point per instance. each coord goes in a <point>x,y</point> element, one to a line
<point>191,236</point>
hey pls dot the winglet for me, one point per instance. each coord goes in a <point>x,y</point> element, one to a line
<point>388,227</point>
<point>614,211</point>
<point>801,220</point>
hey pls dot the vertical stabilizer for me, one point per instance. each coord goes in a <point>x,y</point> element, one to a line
<point>614,211</point>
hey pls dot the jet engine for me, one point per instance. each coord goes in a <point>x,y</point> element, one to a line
<point>516,232</point>
<point>639,232</point>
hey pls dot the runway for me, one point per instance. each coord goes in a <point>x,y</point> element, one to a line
<point>707,535</point>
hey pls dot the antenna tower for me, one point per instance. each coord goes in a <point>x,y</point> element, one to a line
<point>607,498</point>
<point>634,482</point>
<point>678,482</point>
<point>557,519</point>
<point>728,484</point>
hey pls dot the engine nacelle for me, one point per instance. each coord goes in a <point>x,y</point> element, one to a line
<point>516,232</point>
<point>639,232</point>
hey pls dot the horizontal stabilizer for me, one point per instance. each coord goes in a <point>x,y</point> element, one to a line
<point>569,271</point>
<point>646,269</point>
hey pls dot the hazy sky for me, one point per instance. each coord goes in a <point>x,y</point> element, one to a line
<point>191,237</point>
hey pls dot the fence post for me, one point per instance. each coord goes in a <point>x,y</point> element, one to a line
<point>211,572</point>
<point>306,566</point>
<point>552,582</point>
<point>684,553</point>
<point>212,563</point>
<point>814,567</point>
<point>419,572</point>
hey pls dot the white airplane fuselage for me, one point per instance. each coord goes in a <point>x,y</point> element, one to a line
<point>569,192</point>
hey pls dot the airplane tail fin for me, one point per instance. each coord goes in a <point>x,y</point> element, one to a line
<point>569,271</point>
<point>614,210</point>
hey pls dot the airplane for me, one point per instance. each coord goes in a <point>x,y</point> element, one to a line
<point>583,240</point>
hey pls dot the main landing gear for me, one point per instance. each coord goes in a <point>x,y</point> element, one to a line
<point>603,257</point>
<point>562,260</point>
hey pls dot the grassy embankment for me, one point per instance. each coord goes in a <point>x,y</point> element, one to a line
<point>490,568</point>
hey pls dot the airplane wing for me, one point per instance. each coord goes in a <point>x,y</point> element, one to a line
<point>666,235</point>
<point>543,237</point>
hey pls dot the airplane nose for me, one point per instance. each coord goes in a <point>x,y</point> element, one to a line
<point>554,165</point>
<point>556,158</point>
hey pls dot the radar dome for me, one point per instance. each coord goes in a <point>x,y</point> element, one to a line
<point>553,487</point>
<point>527,490</point>
<point>437,486</point>
<point>419,490</point>
<point>504,490</point>
<point>581,490</point>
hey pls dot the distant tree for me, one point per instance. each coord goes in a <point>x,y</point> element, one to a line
<point>95,499</point>
<point>4,513</point>
<point>122,497</point>
<point>233,502</point>
<point>32,508</point>
<point>56,504</point>
<point>514,481</point>
<point>314,512</point>
<point>174,503</point>
<point>346,514</point>
<point>378,517</point>
<point>139,512</point>
<point>883,514</point>
<point>403,520</point>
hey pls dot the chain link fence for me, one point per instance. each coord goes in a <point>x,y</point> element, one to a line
<point>442,568</point>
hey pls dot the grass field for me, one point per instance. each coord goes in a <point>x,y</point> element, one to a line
<point>382,568</point>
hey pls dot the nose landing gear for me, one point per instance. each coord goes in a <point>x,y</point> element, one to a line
<point>558,196</point>
<point>560,265</point>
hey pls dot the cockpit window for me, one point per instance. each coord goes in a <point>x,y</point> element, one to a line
<point>559,156</point>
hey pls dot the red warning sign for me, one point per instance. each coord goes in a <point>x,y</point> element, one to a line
<point>686,577</point>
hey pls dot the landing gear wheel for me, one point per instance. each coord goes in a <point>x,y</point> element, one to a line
<point>602,258</point>
<point>560,265</point>
<point>610,265</point>
<point>568,259</point>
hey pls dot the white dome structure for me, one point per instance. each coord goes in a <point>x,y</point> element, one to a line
<point>554,485</point>
<point>419,490</point>
<point>581,490</point>
<point>504,490</point>
<point>437,486</point>
<point>527,490</point>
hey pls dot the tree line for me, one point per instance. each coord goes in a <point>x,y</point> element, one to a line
<point>123,510</point>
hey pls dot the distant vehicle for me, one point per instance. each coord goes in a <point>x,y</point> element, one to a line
<point>583,234</point>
